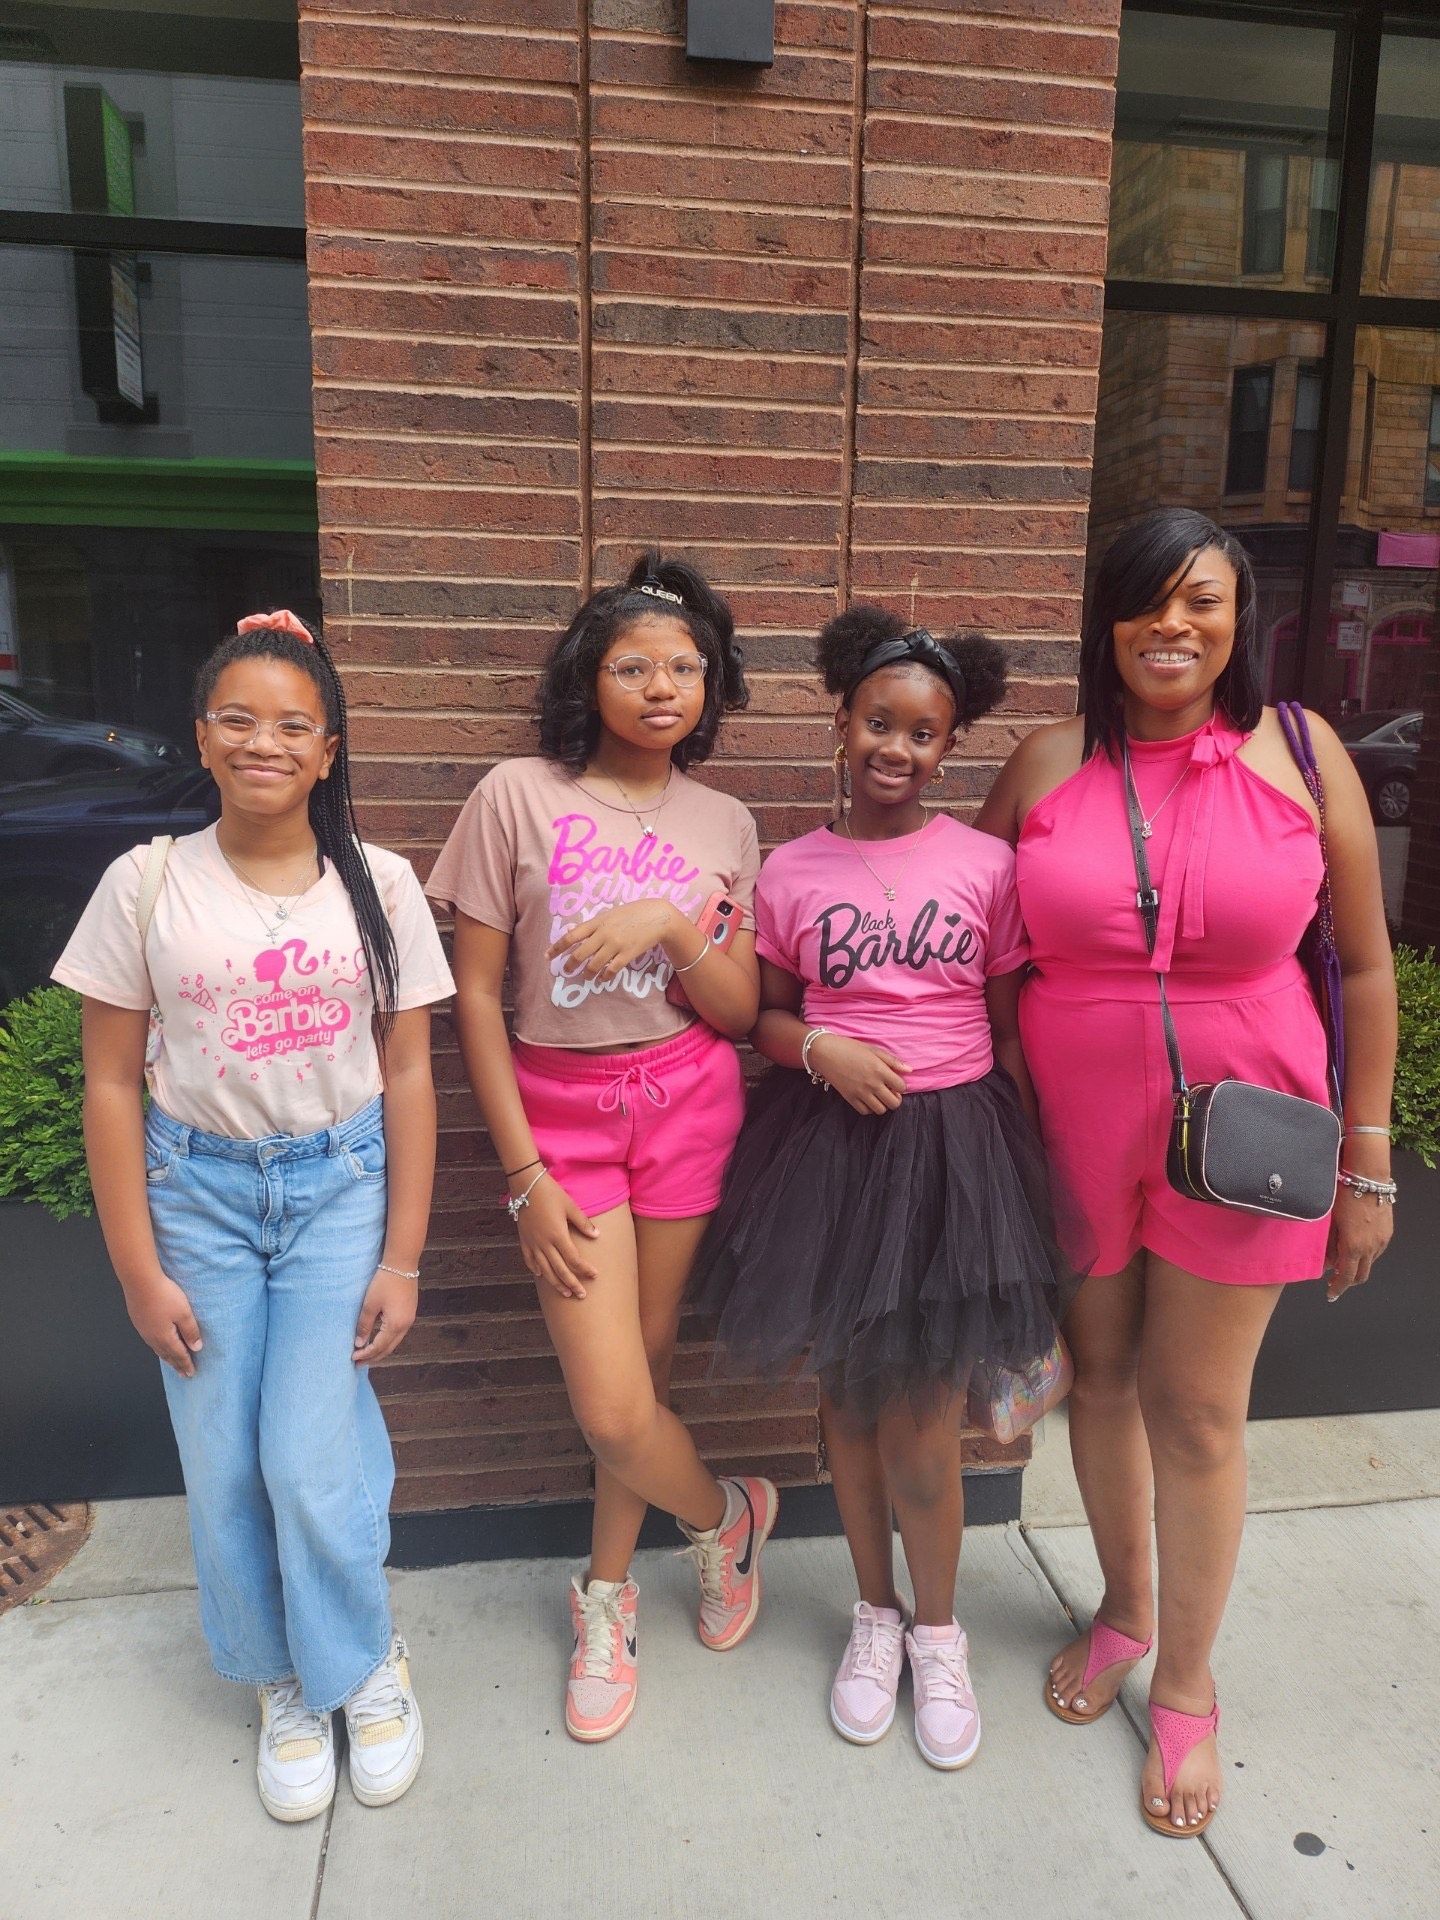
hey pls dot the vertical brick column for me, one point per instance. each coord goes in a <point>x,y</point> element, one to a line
<point>830,329</point>
<point>987,155</point>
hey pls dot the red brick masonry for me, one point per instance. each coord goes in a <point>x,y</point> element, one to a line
<point>831,328</point>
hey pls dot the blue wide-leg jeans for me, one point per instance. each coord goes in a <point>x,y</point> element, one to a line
<point>287,1462</point>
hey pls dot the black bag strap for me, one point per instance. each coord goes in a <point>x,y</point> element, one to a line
<point>1147,899</point>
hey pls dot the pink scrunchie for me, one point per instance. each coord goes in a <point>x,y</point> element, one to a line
<point>280,621</point>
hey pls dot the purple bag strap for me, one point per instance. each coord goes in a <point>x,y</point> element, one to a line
<point>1297,738</point>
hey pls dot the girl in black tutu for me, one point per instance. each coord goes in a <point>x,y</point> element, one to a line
<point>885,1214</point>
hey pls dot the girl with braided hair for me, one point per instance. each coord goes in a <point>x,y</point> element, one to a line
<point>885,1216</point>
<point>265,1216</point>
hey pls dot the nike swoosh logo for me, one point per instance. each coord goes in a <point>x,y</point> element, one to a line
<point>630,1646</point>
<point>742,1565</point>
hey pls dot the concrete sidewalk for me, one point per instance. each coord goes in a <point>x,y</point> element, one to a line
<point>126,1770</point>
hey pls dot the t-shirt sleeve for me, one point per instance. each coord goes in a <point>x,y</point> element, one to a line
<point>747,870</point>
<point>475,873</point>
<point>103,957</point>
<point>775,924</point>
<point>1008,946</point>
<point>425,975</point>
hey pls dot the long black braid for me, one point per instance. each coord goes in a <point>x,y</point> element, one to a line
<point>332,804</point>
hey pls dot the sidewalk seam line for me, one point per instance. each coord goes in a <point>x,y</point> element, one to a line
<point>321,1862</point>
<point>1037,1552</point>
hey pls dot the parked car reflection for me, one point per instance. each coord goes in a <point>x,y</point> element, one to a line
<point>1386,750</point>
<point>58,836</point>
<point>42,746</point>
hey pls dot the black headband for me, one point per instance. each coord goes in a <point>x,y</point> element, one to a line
<point>921,648</point>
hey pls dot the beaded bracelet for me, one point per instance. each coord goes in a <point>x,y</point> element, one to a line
<point>1383,1190</point>
<point>400,1273</point>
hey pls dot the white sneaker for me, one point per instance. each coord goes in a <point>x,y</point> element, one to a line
<point>296,1767</point>
<point>387,1741</point>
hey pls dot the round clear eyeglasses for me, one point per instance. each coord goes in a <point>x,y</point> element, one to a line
<point>635,671</point>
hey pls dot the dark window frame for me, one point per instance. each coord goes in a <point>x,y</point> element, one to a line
<point>1341,308</point>
<point>1264,227</point>
<point>1305,440</point>
<point>1247,445</point>
<point>1430,493</point>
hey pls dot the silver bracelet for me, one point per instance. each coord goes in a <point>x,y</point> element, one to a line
<point>519,1200</point>
<point>1385,1131</point>
<point>816,1079</point>
<point>400,1273</point>
<point>691,963</point>
<point>1383,1190</point>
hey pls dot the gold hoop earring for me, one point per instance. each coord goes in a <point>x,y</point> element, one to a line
<point>937,778</point>
<point>842,780</point>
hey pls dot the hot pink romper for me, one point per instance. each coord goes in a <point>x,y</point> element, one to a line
<point>1238,867</point>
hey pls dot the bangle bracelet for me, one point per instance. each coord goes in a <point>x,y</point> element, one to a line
<point>514,1204</point>
<point>1386,1131</point>
<point>691,963</point>
<point>400,1273</point>
<point>510,1172</point>
<point>816,1079</point>
<point>1383,1190</point>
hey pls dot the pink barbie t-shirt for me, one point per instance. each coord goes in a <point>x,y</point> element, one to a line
<point>536,851</point>
<point>258,1035</point>
<point>906,974</point>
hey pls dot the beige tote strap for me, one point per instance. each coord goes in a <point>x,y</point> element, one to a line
<point>151,881</point>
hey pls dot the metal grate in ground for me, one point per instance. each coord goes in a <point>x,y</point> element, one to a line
<point>35,1543</point>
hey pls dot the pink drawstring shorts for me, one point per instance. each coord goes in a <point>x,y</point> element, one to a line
<point>655,1127</point>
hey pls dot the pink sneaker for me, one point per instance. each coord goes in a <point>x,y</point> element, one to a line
<point>947,1719</point>
<point>600,1693</point>
<point>728,1557</point>
<point>862,1700</point>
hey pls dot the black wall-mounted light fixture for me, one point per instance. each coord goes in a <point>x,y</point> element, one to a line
<point>738,30</point>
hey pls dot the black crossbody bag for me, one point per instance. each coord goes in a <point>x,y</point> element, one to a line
<point>1234,1144</point>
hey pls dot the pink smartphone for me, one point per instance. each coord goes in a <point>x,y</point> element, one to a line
<point>719,918</point>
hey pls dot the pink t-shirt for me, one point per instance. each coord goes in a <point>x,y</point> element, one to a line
<point>536,851</point>
<point>907,975</point>
<point>256,1036</point>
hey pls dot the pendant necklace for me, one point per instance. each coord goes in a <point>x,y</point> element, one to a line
<point>1147,821</point>
<point>886,887</point>
<point>282,907</point>
<point>647,832</point>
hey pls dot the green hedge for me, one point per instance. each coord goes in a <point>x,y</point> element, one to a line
<point>42,1081</point>
<point>1417,1066</point>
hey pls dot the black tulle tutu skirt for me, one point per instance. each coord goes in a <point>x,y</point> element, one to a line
<point>890,1254</point>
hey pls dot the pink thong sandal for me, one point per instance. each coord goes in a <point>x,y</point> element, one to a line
<point>1176,1735</point>
<point>1107,1649</point>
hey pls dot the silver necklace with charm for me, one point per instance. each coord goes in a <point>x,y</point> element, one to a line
<point>885,886</point>
<point>1147,821</point>
<point>283,907</point>
<point>646,832</point>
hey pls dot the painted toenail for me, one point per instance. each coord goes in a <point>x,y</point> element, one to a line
<point>1179,1820</point>
<point>1080,1706</point>
<point>1157,1803</point>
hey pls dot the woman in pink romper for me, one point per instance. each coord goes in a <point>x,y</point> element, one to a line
<point>1166,1330</point>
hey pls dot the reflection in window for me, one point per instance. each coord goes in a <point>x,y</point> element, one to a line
<point>1401,254</point>
<point>1266,178</point>
<point>1432,452</point>
<point>1305,433</point>
<point>1249,429</point>
<point>1324,218</point>
<point>1209,115</point>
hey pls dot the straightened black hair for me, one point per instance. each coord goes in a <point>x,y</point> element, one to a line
<point>1138,565</point>
<point>568,717</point>
<point>332,805</point>
<point>844,642</point>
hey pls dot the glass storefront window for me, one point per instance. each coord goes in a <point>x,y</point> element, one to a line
<point>156,454</point>
<point>1402,256</point>
<point>1225,163</point>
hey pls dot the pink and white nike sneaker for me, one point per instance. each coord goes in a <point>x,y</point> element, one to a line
<point>947,1718</point>
<point>728,1559</point>
<point>862,1700</point>
<point>600,1693</point>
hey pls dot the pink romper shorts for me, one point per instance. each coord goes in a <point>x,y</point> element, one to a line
<point>654,1127</point>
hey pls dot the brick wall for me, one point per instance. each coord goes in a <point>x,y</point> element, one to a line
<point>830,329</point>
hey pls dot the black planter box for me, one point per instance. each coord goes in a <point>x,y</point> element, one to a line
<point>1377,1350</point>
<point>82,1408</point>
